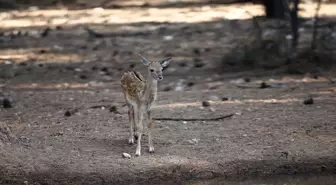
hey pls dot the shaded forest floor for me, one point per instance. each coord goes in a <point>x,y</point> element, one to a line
<point>51,65</point>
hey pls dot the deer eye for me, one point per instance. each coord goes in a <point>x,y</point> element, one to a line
<point>151,70</point>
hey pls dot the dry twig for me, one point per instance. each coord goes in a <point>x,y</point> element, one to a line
<point>195,119</point>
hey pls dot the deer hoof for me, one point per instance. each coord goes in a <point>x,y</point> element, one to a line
<point>151,150</point>
<point>136,136</point>
<point>131,141</point>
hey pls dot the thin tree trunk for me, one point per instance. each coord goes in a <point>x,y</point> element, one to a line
<point>274,9</point>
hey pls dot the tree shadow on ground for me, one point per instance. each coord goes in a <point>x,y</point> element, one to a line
<point>116,4</point>
<point>174,173</point>
<point>71,54</point>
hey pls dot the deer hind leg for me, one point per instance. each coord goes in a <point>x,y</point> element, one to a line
<point>132,123</point>
<point>150,126</point>
<point>139,128</point>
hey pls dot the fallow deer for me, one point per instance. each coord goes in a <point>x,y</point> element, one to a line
<point>140,95</point>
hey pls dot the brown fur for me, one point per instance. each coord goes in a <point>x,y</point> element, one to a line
<point>134,84</point>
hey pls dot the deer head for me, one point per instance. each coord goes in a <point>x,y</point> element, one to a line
<point>155,68</point>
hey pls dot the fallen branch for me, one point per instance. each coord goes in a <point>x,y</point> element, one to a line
<point>93,33</point>
<point>194,119</point>
<point>99,106</point>
<point>96,34</point>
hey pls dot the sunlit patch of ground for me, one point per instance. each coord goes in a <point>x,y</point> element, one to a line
<point>121,20</point>
<point>44,55</point>
<point>203,13</point>
<point>125,16</point>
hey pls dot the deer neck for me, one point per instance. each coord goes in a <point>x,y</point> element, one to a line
<point>151,88</point>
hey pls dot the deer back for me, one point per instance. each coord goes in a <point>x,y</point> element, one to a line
<point>133,84</point>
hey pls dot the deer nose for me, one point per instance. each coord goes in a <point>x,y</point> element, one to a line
<point>160,77</point>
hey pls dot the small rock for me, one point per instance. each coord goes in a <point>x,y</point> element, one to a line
<point>190,84</point>
<point>94,68</point>
<point>212,109</point>
<point>263,85</point>
<point>7,103</point>
<point>197,51</point>
<point>168,88</point>
<point>179,88</point>
<point>126,155</point>
<point>113,108</point>
<point>132,66</point>
<point>199,64</point>
<point>67,113</point>
<point>308,101</point>
<point>246,79</point>
<point>70,112</point>
<point>225,99</point>
<point>7,62</point>
<point>168,37</point>
<point>45,32</point>
<point>94,48</point>
<point>284,154</point>
<point>195,141</point>
<point>323,168</point>
<point>105,69</point>
<point>78,69</point>
<point>244,135</point>
<point>42,51</point>
<point>205,104</point>
<point>184,122</point>
<point>182,64</point>
<point>83,77</point>
<point>22,64</point>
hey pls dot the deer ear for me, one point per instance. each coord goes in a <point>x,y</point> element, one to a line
<point>165,62</point>
<point>144,60</point>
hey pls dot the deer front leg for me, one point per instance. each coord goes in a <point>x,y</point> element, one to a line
<point>132,123</point>
<point>150,126</point>
<point>139,129</point>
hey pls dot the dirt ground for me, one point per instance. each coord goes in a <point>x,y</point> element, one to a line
<point>50,65</point>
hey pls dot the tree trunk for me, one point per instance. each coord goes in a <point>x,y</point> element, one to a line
<point>295,23</point>
<point>274,9</point>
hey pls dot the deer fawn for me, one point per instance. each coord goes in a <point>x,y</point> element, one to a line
<point>140,95</point>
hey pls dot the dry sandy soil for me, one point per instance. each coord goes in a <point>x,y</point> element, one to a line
<point>48,72</point>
